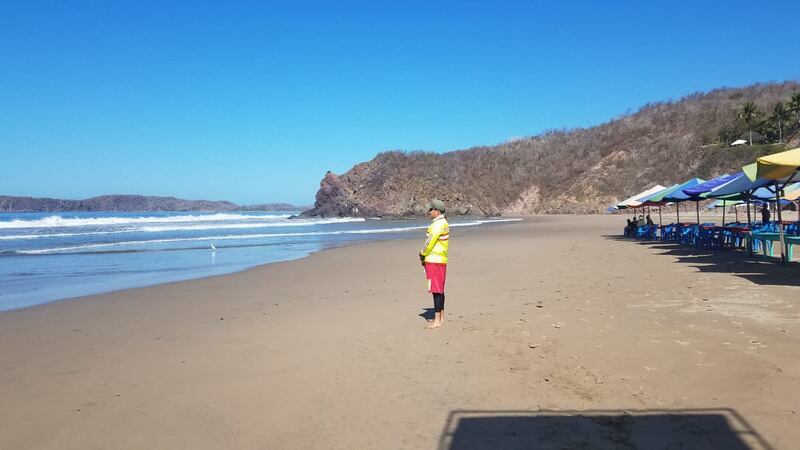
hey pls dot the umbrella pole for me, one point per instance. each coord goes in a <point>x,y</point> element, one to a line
<point>749,231</point>
<point>659,215</point>
<point>678,210</point>
<point>780,222</point>
<point>697,206</point>
<point>723,213</point>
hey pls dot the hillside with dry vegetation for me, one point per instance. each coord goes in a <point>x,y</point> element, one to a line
<point>578,170</point>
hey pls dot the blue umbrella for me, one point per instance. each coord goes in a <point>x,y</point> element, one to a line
<point>739,184</point>
<point>702,188</point>
<point>696,192</point>
<point>678,195</point>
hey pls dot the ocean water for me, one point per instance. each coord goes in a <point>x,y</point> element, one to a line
<point>52,256</point>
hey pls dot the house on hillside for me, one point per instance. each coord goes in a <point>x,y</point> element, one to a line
<point>738,142</point>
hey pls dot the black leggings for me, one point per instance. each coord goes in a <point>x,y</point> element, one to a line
<point>438,302</point>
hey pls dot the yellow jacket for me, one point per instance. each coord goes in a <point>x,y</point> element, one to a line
<point>435,250</point>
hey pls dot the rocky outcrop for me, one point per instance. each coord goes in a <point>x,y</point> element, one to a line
<point>571,171</point>
<point>333,199</point>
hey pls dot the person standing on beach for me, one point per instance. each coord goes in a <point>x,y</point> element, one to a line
<point>434,258</point>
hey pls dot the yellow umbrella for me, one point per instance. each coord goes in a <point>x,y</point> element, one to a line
<point>774,167</point>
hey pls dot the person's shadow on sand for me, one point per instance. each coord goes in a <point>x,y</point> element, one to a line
<point>427,314</point>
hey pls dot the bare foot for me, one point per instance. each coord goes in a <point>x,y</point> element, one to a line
<point>434,325</point>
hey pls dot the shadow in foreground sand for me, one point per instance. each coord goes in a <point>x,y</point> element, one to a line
<point>756,268</point>
<point>707,429</point>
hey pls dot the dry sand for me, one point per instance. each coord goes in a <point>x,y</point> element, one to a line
<point>559,335</point>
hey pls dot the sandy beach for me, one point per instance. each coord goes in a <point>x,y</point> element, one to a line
<point>559,334</point>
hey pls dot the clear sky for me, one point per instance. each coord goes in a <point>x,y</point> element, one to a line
<point>254,101</point>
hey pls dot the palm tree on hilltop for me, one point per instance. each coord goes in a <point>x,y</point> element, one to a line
<point>794,105</point>
<point>780,114</point>
<point>749,114</point>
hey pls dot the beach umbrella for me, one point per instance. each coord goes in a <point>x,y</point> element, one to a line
<point>741,187</point>
<point>792,194</point>
<point>679,195</point>
<point>728,203</point>
<point>702,188</point>
<point>781,168</point>
<point>776,166</point>
<point>659,197</point>
<point>636,200</point>
<point>722,204</point>
<point>766,193</point>
<point>697,192</point>
<point>648,200</point>
<point>740,183</point>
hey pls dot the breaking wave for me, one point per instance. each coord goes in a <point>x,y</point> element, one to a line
<point>86,248</point>
<point>65,222</point>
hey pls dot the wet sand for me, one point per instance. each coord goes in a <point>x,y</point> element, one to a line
<point>558,334</point>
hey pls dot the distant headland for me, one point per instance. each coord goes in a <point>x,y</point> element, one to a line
<point>581,170</point>
<point>132,203</point>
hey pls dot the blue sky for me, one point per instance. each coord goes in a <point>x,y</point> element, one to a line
<point>254,101</point>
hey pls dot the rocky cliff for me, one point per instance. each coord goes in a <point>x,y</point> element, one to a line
<point>568,171</point>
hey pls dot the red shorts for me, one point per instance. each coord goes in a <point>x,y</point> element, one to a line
<point>436,273</point>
